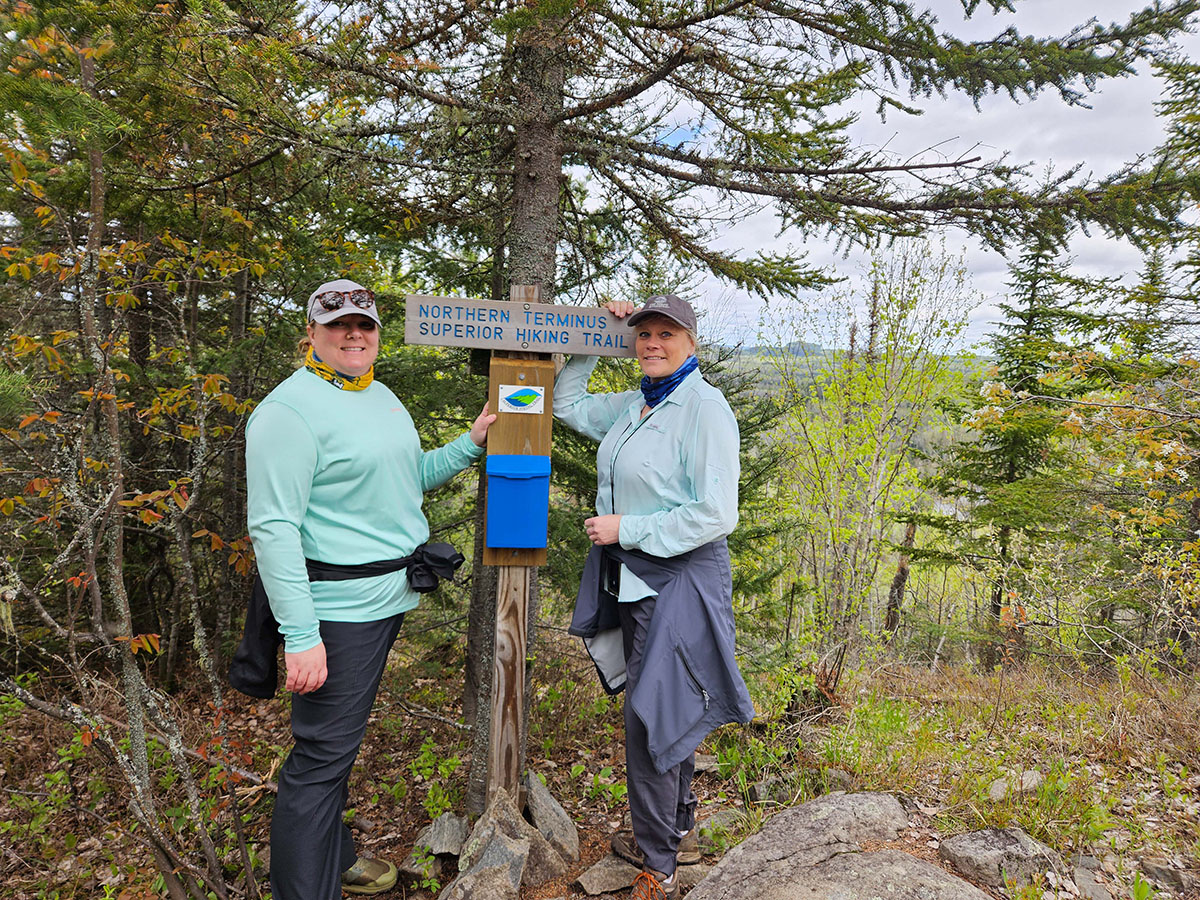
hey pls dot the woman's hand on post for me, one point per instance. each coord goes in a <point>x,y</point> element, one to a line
<point>306,670</point>
<point>602,530</point>
<point>619,308</point>
<point>479,430</point>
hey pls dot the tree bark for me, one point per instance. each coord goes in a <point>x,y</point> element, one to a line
<point>896,592</point>
<point>531,244</point>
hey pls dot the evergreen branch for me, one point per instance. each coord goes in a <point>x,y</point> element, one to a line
<point>216,179</point>
<point>680,58</point>
<point>715,162</point>
<point>1193,417</point>
<point>380,74</point>
<point>710,13</point>
<point>762,276</point>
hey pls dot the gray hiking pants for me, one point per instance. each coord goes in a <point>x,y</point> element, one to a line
<point>662,805</point>
<point>310,845</point>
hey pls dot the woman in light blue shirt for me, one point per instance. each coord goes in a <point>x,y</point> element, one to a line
<point>667,476</point>
<point>334,474</point>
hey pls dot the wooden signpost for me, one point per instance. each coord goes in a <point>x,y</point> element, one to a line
<point>521,333</point>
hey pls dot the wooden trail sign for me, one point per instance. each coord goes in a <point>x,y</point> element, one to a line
<point>518,325</point>
<point>520,332</point>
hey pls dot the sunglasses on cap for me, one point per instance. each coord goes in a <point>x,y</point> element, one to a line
<point>360,297</point>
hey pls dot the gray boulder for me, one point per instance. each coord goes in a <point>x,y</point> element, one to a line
<point>1085,872</point>
<point>994,854</point>
<point>496,871</point>
<point>611,873</point>
<point>543,863</point>
<point>885,873</point>
<point>1016,785</point>
<point>774,790</point>
<point>690,876</point>
<point>813,852</point>
<point>1166,875</point>
<point>768,864</point>
<point>444,836</point>
<point>551,819</point>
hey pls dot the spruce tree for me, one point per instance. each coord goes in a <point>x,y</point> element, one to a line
<point>1011,478</point>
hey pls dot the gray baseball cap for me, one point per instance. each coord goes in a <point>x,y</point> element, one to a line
<point>341,297</point>
<point>669,306</point>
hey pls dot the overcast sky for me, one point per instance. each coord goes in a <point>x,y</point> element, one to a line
<point>1120,125</point>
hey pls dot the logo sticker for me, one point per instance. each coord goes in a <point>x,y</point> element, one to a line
<point>520,398</point>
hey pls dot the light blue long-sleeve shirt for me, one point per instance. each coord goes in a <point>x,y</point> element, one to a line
<point>673,475</point>
<point>337,476</point>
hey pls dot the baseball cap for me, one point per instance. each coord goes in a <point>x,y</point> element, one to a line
<point>667,305</point>
<point>341,297</point>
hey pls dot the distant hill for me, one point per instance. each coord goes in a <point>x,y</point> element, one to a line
<point>795,348</point>
<point>763,363</point>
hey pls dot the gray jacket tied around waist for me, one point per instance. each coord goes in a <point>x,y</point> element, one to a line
<point>689,683</point>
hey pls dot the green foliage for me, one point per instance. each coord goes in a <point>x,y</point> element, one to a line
<point>1011,476</point>
<point>177,179</point>
<point>1142,889</point>
<point>606,788</point>
<point>853,422</point>
<point>426,863</point>
<point>431,767</point>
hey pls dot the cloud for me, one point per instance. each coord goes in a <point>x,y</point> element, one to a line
<point>1119,126</point>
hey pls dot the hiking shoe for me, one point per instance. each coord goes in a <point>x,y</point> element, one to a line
<point>652,885</point>
<point>688,851</point>
<point>369,876</point>
<point>625,845</point>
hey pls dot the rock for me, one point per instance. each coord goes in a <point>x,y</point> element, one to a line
<point>1085,875</point>
<point>887,873</point>
<point>497,869</point>
<point>444,837</point>
<point>551,819</point>
<point>420,865</point>
<point>714,828</point>
<point>994,854</point>
<point>780,791</point>
<point>770,862</point>
<point>836,780</point>
<point>705,762</point>
<point>846,876</point>
<point>611,873</point>
<point>690,876</point>
<point>1016,785</point>
<point>1161,871</point>
<point>543,863</point>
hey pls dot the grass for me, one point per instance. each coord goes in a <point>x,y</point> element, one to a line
<point>1120,756</point>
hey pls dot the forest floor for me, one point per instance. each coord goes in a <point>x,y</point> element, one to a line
<point>1120,753</point>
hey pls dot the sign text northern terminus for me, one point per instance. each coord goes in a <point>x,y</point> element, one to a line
<point>512,325</point>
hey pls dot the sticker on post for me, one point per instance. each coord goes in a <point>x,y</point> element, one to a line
<point>520,398</point>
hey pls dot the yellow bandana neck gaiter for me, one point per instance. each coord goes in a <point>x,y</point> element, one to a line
<point>337,379</point>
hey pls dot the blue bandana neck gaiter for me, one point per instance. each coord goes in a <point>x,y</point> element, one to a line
<point>656,392</point>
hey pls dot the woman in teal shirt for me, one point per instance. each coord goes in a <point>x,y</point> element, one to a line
<point>335,473</point>
<point>667,476</point>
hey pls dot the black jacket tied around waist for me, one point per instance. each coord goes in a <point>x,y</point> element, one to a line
<point>255,667</point>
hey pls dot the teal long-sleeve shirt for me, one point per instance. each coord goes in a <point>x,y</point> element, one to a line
<point>338,476</point>
<point>673,475</point>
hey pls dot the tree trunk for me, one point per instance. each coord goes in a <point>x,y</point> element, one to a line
<point>477,690</point>
<point>532,241</point>
<point>993,651</point>
<point>896,592</point>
